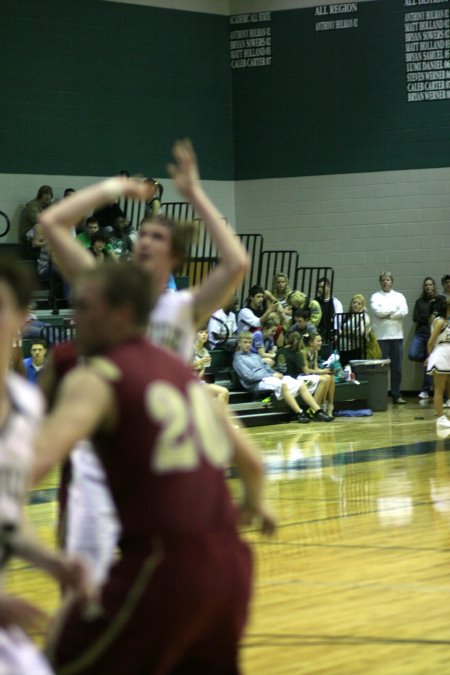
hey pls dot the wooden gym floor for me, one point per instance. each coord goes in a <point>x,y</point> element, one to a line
<point>357,579</point>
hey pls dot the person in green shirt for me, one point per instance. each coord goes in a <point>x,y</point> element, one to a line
<point>91,227</point>
<point>86,238</point>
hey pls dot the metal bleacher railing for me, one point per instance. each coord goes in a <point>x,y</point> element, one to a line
<point>307,279</point>
<point>56,333</point>
<point>203,252</point>
<point>350,336</point>
<point>264,264</point>
<point>272,262</point>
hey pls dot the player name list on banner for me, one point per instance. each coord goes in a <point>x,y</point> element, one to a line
<point>333,16</point>
<point>250,40</point>
<point>427,50</point>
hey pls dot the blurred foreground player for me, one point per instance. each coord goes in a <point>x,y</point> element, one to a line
<point>160,249</point>
<point>176,602</point>
<point>21,409</point>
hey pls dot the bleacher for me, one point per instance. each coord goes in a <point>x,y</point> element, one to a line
<point>264,264</point>
<point>261,408</point>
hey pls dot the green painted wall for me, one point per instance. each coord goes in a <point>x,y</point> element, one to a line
<point>336,101</point>
<point>90,88</point>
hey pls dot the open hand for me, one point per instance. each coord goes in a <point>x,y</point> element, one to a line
<point>136,188</point>
<point>184,172</point>
<point>261,515</point>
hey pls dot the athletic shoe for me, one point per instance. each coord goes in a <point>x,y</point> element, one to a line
<point>303,418</point>
<point>400,399</point>
<point>443,422</point>
<point>320,416</point>
<point>424,395</point>
<point>446,403</point>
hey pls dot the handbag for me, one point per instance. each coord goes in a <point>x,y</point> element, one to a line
<point>373,349</point>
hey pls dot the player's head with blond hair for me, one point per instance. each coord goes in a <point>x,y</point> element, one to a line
<point>163,244</point>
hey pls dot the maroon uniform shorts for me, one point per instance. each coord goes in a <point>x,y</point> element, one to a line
<point>179,610</point>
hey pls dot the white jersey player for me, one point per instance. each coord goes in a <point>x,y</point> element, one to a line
<point>21,409</point>
<point>160,249</point>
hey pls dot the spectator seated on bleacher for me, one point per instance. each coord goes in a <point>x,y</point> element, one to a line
<point>30,213</point>
<point>289,362</point>
<point>330,306</point>
<point>222,327</point>
<point>309,353</point>
<point>263,342</point>
<point>107,216</point>
<point>255,310</point>
<point>354,330</point>
<point>282,326</point>
<point>32,327</point>
<point>302,324</point>
<point>279,295</point>
<point>201,360</point>
<point>153,203</point>
<point>100,248</point>
<point>120,241</point>
<point>36,362</point>
<point>299,300</point>
<point>91,227</point>
<point>255,375</point>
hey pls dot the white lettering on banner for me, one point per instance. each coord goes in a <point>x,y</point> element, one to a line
<point>427,51</point>
<point>332,9</point>
<point>250,47</point>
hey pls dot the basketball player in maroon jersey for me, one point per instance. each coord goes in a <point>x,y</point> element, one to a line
<point>176,602</point>
<point>160,248</point>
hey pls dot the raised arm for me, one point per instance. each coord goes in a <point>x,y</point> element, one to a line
<point>85,402</point>
<point>56,222</point>
<point>230,271</point>
<point>249,464</point>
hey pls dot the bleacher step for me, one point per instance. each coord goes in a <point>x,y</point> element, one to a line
<point>265,418</point>
<point>240,396</point>
<point>247,405</point>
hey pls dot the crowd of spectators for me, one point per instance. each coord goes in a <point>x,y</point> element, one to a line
<point>288,329</point>
<point>107,233</point>
<point>285,323</point>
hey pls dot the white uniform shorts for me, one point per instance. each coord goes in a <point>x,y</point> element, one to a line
<point>275,383</point>
<point>19,656</point>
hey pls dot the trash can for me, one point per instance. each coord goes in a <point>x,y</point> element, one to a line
<point>375,371</point>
